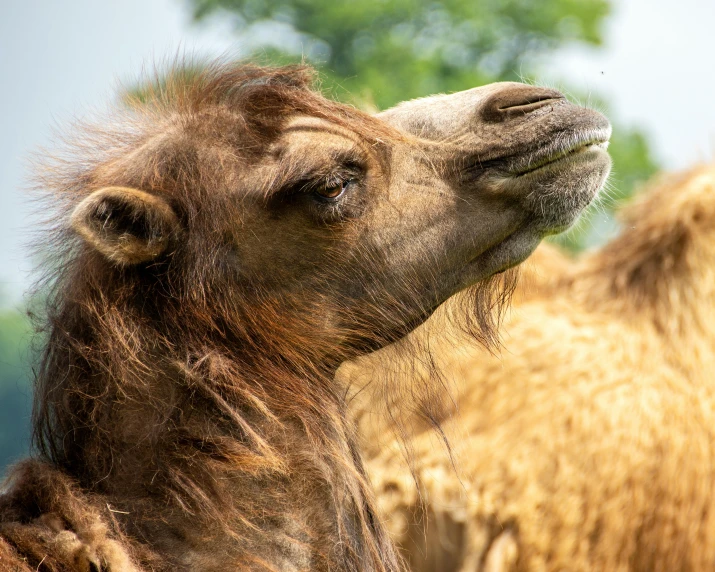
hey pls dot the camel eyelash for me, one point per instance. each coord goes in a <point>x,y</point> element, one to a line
<point>321,185</point>
<point>330,195</point>
<point>336,197</point>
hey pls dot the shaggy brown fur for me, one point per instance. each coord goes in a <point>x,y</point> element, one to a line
<point>217,254</point>
<point>589,442</point>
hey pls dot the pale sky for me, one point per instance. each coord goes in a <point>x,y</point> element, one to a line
<point>60,60</point>
<point>657,72</point>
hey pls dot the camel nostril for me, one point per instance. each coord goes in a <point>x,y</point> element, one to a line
<point>517,100</point>
<point>530,104</point>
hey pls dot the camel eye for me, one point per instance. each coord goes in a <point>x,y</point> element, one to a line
<point>334,189</point>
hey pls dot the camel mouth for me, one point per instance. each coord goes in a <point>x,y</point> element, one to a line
<point>560,151</point>
<point>556,182</point>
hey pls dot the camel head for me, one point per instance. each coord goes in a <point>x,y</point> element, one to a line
<point>222,245</point>
<point>281,217</point>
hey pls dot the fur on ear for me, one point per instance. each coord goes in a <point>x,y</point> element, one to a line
<point>126,225</point>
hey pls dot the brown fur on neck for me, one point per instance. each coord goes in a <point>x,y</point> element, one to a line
<point>166,394</point>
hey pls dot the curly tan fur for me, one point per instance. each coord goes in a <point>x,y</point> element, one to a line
<point>588,443</point>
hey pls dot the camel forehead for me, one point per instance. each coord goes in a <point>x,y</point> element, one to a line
<point>324,132</point>
<point>318,133</point>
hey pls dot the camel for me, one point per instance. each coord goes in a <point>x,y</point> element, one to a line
<point>588,443</point>
<point>217,251</point>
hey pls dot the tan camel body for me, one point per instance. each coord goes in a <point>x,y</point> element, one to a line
<point>588,443</point>
<point>218,251</point>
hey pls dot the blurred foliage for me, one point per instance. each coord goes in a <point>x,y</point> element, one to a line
<point>381,52</point>
<point>400,49</point>
<point>15,386</point>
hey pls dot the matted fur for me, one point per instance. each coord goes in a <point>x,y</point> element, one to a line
<point>162,388</point>
<point>589,443</point>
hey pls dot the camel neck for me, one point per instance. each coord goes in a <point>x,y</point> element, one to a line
<point>244,476</point>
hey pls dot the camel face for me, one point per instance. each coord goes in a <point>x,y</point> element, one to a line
<point>356,228</point>
<point>455,189</point>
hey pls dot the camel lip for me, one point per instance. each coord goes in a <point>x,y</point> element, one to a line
<point>588,140</point>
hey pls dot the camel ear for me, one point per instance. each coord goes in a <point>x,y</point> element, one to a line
<point>128,226</point>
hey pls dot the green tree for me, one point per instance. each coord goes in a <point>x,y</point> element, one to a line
<point>15,386</point>
<point>385,51</point>
<point>400,49</point>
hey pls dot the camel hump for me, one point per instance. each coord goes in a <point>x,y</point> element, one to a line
<point>666,244</point>
<point>686,197</point>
